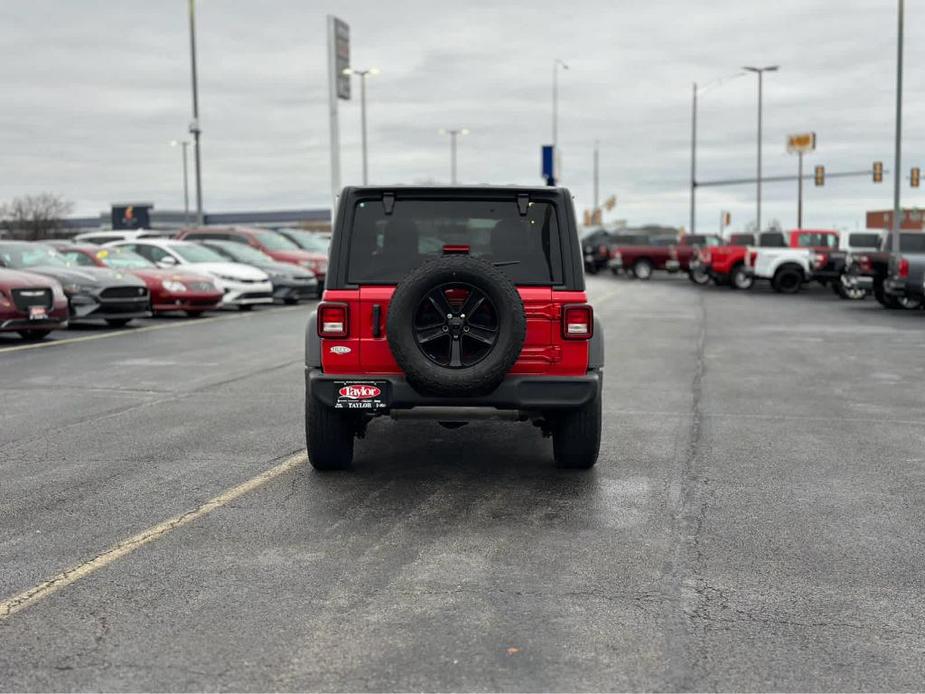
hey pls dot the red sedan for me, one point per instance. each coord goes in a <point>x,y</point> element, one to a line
<point>171,290</point>
<point>31,305</point>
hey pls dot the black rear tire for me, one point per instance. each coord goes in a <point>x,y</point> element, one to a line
<point>699,277</point>
<point>34,334</point>
<point>328,435</point>
<point>642,269</point>
<point>886,300</point>
<point>787,280</point>
<point>739,278</point>
<point>576,435</point>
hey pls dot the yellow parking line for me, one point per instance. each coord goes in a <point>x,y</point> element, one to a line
<point>29,597</point>
<point>144,329</point>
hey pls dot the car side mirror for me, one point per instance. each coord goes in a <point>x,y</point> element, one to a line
<point>167,261</point>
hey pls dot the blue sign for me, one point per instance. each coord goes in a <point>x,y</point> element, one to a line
<point>549,165</point>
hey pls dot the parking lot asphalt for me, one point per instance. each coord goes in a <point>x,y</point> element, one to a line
<point>755,520</point>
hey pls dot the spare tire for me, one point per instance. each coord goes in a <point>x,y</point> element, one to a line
<point>456,326</point>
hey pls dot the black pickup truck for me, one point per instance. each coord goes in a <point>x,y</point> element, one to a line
<point>884,273</point>
<point>905,281</point>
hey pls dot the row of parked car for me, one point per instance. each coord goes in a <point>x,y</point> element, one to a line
<point>118,276</point>
<point>853,263</point>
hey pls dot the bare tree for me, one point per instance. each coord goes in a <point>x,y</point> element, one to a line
<point>34,217</point>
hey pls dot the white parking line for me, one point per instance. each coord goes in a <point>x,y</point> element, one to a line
<point>145,329</point>
<point>29,597</point>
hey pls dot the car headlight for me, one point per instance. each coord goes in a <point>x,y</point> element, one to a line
<point>78,289</point>
<point>173,286</point>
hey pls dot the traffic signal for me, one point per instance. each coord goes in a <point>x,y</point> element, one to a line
<point>727,218</point>
<point>820,175</point>
<point>878,172</point>
<point>610,202</point>
<point>914,176</point>
<point>587,218</point>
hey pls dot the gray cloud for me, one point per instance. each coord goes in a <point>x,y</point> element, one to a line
<point>93,92</point>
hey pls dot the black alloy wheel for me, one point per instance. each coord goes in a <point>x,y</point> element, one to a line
<point>456,325</point>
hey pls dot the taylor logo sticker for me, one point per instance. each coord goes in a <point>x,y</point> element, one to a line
<point>340,349</point>
<point>360,392</point>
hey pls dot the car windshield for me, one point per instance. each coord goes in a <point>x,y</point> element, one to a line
<point>240,252</point>
<point>274,241</point>
<point>197,254</point>
<point>308,241</point>
<point>384,248</point>
<point>25,255</point>
<point>122,259</point>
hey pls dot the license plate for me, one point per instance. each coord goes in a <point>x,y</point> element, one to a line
<point>37,313</point>
<point>361,395</point>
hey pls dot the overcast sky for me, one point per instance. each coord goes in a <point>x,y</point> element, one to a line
<point>93,91</point>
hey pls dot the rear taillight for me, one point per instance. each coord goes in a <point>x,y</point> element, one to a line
<point>705,256</point>
<point>333,320</point>
<point>903,268</point>
<point>577,322</point>
<point>820,260</point>
<point>865,265</point>
<point>750,258</point>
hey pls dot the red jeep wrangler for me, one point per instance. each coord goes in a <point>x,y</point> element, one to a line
<point>454,304</point>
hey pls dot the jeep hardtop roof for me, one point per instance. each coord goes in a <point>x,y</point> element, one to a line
<point>529,232</point>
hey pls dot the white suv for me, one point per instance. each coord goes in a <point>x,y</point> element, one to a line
<point>244,285</point>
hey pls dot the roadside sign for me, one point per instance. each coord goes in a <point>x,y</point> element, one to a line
<point>131,216</point>
<point>342,58</point>
<point>547,165</point>
<point>801,142</point>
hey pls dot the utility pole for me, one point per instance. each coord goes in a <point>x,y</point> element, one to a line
<point>800,190</point>
<point>596,173</point>
<point>184,145</point>
<point>897,174</point>
<point>194,128</point>
<point>693,223</point>
<point>454,134</point>
<point>760,72</point>
<point>555,116</point>
<point>362,75</point>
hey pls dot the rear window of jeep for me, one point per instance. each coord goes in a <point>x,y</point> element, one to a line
<point>384,248</point>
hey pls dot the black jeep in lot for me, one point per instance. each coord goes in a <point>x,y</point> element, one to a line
<point>454,304</point>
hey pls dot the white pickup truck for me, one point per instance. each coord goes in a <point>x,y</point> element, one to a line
<point>787,269</point>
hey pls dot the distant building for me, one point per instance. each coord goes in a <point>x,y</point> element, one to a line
<point>911,219</point>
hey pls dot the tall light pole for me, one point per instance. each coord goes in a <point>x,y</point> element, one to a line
<point>693,226</point>
<point>760,72</point>
<point>597,158</point>
<point>556,64</point>
<point>897,176</point>
<point>194,125</point>
<point>362,75</point>
<point>184,145</point>
<point>454,134</point>
<point>697,89</point>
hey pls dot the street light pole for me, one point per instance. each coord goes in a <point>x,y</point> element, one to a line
<point>693,226</point>
<point>555,115</point>
<point>194,125</point>
<point>800,191</point>
<point>897,174</point>
<point>597,158</point>
<point>184,145</point>
<point>760,72</point>
<point>362,75</point>
<point>454,134</point>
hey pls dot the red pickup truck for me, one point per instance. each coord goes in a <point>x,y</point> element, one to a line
<point>726,264</point>
<point>640,261</point>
